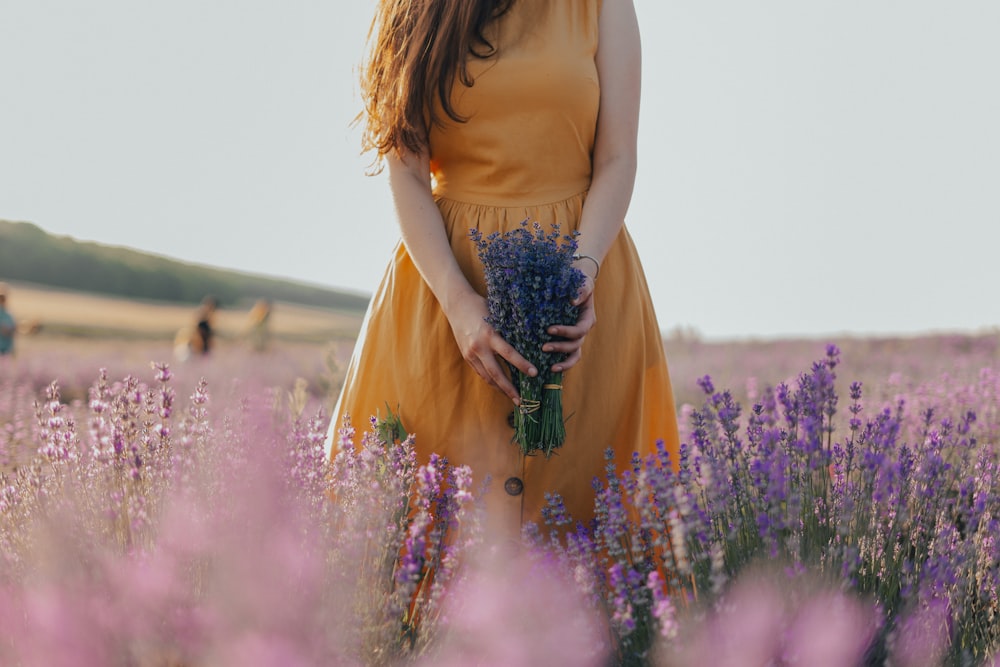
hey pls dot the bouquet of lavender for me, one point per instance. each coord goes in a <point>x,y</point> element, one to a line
<point>530,286</point>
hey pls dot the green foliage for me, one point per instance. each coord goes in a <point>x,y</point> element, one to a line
<point>29,254</point>
<point>390,428</point>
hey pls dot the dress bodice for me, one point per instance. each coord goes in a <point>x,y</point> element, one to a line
<point>531,113</point>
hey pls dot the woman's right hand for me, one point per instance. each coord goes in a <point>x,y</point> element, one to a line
<point>481,345</point>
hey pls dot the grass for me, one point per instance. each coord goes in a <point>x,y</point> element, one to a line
<point>92,316</point>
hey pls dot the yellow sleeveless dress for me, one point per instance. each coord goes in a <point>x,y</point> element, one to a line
<point>524,153</point>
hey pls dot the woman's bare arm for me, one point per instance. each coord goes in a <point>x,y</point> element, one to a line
<point>424,234</point>
<point>619,70</point>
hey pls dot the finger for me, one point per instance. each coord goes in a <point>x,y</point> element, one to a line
<point>507,351</point>
<point>498,379</point>
<point>570,332</point>
<point>585,292</point>
<point>564,346</point>
<point>575,331</point>
<point>568,362</point>
<point>481,372</point>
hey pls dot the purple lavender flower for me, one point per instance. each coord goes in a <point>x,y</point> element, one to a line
<point>530,286</point>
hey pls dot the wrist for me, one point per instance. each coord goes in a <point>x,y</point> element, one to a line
<point>588,264</point>
<point>457,300</point>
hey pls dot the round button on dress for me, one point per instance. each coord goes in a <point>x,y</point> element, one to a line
<point>513,486</point>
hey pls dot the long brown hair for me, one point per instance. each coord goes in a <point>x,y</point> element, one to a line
<point>417,50</point>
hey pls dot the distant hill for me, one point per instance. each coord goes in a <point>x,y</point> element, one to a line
<point>30,254</point>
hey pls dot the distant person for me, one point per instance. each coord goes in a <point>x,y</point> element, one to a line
<point>204,329</point>
<point>199,338</point>
<point>260,325</point>
<point>8,327</point>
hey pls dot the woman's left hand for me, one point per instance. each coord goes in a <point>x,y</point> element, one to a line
<point>575,334</point>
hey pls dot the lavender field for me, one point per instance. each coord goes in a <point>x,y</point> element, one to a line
<point>832,506</point>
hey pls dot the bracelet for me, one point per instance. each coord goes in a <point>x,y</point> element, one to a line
<point>596,263</point>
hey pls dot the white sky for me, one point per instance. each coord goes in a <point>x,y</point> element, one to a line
<point>807,167</point>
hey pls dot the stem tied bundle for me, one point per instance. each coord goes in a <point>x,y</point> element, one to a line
<point>531,284</point>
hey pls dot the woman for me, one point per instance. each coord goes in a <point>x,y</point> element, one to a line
<point>487,113</point>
